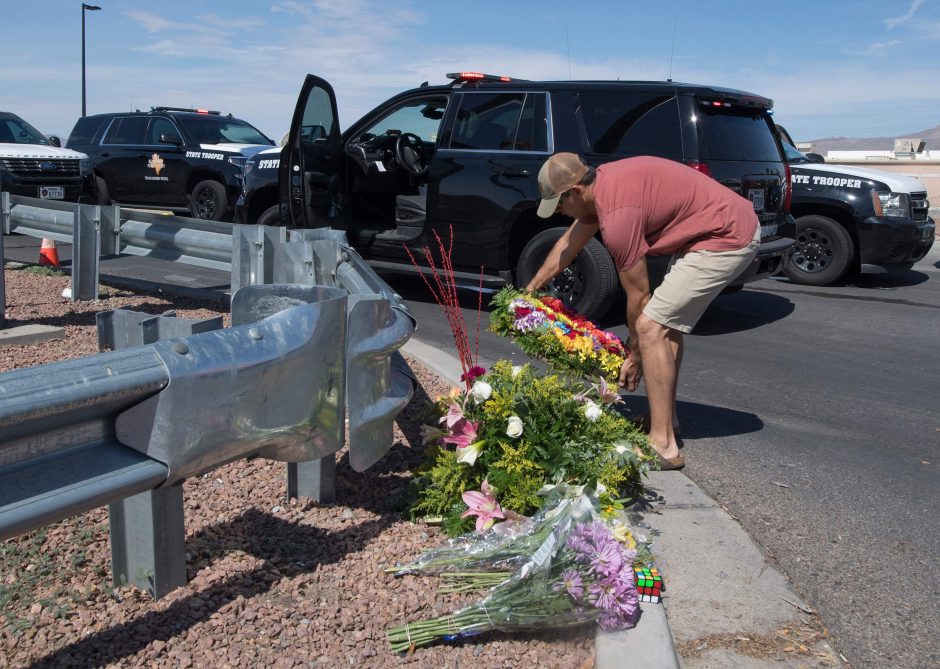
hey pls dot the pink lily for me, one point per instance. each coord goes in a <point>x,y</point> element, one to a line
<point>463,433</point>
<point>482,505</point>
<point>608,395</point>
<point>454,415</point>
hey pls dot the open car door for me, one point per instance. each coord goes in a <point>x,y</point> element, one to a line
<point>309,171</point>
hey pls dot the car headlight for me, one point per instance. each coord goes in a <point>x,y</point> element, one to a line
<point>84,167</point>
<point>249,167</point>
<point>238,161</point>
<point>891,204</point>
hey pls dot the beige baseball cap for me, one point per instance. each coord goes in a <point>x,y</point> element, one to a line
<point>558,174</point>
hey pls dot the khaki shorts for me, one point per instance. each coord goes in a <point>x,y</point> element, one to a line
<point>693,281</point>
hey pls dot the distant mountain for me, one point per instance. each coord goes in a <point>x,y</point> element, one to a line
<point>930,136</point>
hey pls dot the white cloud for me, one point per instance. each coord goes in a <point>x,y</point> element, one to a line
<point>898,20</point>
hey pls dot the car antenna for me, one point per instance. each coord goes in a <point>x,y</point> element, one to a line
<point>675,22</point>
<point>568,47</point>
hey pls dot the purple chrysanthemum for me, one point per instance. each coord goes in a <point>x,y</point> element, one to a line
<point>571,582</point>
<point>604,593</point>
<point>530,321</point>
<point>606,559</point>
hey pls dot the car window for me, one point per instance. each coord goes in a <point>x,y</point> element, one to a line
<point>85,130</point>
<point>127,130</point>
<point>17,131</point>
<point>419,117</point>
<point>532,133</point>
<point>487,121</point>
<point>212,129</point>
<point>161,126</point>
<point>318,121</point>
<point>793,154</point>
<point>632,124</point>
<point>732,135</point>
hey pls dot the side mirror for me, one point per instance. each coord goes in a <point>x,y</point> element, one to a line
<point>171,138</point>
<point>815,158</point>
<point>55,141</point>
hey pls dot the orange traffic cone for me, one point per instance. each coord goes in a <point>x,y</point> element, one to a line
<point>48,256</point>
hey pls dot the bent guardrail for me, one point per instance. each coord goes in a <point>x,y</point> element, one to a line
<point>147,445</point>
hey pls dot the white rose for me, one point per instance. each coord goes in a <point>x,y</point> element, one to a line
<point>481,391</point>
<point>591,411</point>
<point>515,370</point>
<point>514,426</point>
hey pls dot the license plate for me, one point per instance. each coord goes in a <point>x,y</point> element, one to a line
<point>768,230</point>
<point>756,196</point>
<point>51,193</point>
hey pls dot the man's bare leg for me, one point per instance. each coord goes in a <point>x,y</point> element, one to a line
<point>660,350</point>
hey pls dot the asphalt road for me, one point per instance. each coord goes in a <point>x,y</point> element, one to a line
<point>811,414</point>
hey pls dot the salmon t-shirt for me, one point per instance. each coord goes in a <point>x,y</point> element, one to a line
<point>653,206</point>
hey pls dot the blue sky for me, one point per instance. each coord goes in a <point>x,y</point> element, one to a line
<point>855,68</point>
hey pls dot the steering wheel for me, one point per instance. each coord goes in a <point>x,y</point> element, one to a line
<point>411,153</point>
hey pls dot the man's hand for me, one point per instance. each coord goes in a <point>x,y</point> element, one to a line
<point>631,371</point>
<point>562,253</point>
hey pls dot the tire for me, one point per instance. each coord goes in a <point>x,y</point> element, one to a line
<point>824,252</point>
<point>270,216</point>
<point>208,201</point>
<point>104,195</point>
<point>589,285</point>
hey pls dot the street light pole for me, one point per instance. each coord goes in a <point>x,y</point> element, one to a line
<point>90,8</point>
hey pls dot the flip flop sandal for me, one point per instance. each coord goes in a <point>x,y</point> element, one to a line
<point>668,464</point>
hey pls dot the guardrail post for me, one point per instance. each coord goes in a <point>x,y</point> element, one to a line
<point>148,529</point>
<point>148,547</point>
<point>110,230</point>
<point>4,224</point>
<point>253,254</point>
<point>315,479</point>
<point>295,262</point>
<point>5,212</point>
<point>86,245</point>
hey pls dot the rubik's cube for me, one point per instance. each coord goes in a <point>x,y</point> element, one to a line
<point>649,584</point>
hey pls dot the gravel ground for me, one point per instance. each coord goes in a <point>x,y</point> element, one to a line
<point>272,583</point>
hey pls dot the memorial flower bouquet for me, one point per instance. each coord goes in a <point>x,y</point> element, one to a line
<point>545,328</point>
<point>566,566</point>
<point>495,446</point>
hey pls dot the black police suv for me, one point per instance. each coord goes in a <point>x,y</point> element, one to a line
<point>849,216</point>
<point>172,158</point>
<point>465,157</point>
<point>33,165</point>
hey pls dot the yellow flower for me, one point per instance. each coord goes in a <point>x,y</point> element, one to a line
<point>623,534</point>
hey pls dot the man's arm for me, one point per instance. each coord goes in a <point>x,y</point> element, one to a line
<point>636,283</point>
<point>563,252</point>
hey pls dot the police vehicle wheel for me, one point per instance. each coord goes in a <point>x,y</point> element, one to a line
<point>104,197</point>
<point>589,285</point>
<point>824,251</point>
<point>270,216</point>
<point>208,201</point>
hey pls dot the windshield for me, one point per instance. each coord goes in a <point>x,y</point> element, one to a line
<point>218,130</point>
<point>738,135</point>
<point>18,131</point>
<point>792,154</point>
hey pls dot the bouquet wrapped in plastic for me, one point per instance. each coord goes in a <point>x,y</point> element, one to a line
<point>545,328</point>
<point>566,566</point>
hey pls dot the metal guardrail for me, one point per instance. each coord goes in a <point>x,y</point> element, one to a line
<point>314,330</point>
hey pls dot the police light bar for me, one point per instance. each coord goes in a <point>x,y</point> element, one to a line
<point>477,76</point>
<point>185,109</point>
